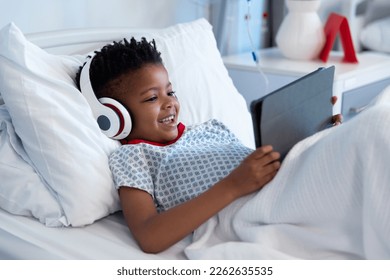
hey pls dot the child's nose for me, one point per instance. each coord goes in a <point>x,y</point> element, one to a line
<point>168,103</point>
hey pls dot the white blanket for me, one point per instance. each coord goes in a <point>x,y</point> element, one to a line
<point>330,200</point>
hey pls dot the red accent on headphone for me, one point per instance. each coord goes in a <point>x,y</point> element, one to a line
<point>121,118</point>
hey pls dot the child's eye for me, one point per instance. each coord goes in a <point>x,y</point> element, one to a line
<point>151,99</point>
<point>172,93</point>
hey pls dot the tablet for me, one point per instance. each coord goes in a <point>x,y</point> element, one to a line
<point>289,114</point>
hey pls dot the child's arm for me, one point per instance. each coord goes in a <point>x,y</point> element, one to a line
<point>156,232</point>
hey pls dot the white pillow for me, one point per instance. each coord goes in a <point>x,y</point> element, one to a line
<point>376,35</point>
<point>22,191</point>
<point>57,129</point>
<point>59,133</point>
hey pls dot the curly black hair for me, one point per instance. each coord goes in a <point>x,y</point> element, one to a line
<point>118,58</point>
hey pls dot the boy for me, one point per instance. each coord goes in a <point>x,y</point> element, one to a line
<point>170,178</point>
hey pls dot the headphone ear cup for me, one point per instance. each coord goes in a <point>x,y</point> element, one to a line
<point>115,123</point>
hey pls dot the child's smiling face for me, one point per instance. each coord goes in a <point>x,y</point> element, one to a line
<point>154,108</point>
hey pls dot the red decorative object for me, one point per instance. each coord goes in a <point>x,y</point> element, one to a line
<point>338,24</point>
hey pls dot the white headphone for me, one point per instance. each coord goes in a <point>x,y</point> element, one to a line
<point>112,117</point>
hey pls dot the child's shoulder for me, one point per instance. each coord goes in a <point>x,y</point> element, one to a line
<point>211,127</point>
<point>212,123</point>
<point>125,151</point>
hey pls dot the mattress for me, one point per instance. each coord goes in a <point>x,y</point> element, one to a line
<point>109,238</point>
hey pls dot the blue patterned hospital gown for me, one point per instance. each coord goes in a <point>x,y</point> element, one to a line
<point>175,173</point>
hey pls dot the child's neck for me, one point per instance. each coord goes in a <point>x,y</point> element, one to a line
<point>180,129</point>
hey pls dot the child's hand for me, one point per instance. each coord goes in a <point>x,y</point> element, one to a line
<point>254,172</point>
<point>336,119</point>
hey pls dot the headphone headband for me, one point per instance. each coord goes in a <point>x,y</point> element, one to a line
<point>86,87</point>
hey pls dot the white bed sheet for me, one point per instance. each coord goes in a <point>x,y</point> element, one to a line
<point>329,200</point>
<point>24,238</point>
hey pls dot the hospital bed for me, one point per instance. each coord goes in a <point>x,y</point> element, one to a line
<point>59,201</point>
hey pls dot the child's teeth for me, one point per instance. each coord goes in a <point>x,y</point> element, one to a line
<point>167,119</point>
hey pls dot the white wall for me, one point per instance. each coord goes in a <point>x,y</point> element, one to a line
<point>44,15</point>
<point>227,16</point>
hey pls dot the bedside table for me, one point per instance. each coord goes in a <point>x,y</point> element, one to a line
<point>355,85</point>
